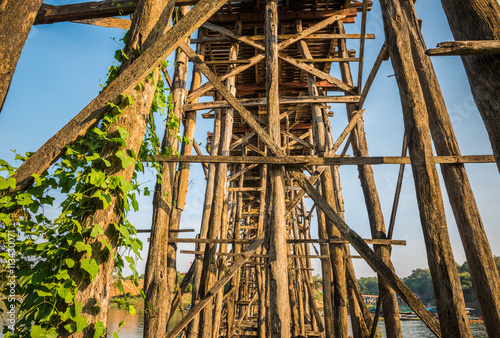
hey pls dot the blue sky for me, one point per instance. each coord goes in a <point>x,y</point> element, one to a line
<point>62,65</point>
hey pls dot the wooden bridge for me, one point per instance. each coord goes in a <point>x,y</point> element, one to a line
<point>267,68</point>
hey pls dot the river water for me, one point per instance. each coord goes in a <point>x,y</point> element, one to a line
<point>134,325</point>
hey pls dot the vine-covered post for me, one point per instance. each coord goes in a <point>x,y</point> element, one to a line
<point>16,20</point>
<point>168,202</point>
<point>94,294</point>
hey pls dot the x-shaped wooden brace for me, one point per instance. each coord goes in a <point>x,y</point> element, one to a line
<point>354,239</point>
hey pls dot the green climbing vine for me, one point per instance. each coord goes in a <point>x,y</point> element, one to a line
<point>43,257</point>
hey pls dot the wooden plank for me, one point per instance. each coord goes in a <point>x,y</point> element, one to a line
<point>200,305</point>
<point>282,101</point>
<point>106,22</point>
<point>91,10</point>
<point>291,241</point>
<point>257,58</point>
<point>322,161</point>
<point>123,84</point>
<point>233,254</point>
<point>485,47</point>
<point>287,36</point>
<point>349,13</point>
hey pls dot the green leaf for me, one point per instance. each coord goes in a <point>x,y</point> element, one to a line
<point>127,161</point>
<point>96,230</point>
<point>43,293</point>
<point>90,266</point>
<point>99,330</point>
<point>7,183</point>
<point>131,310</point>
<point>69,262</point>
<point>81,323</point>
<point>105,198</point>
<point>38,181</point>
<point>39,332</point>
<point>115,335</point>
<point>120,324</point>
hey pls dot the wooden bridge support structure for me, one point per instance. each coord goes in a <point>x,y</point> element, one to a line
<point>268,66</point>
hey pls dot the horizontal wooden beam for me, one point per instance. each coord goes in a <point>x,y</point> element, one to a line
<point>91,10</point>
<point>484,47</point>
<point>350,14</point>
<point>318,60</point>
<point>231,254</point>
<point>290,241</point>
<point>286,36</point>
<point>311,160</point>
<point>283,101</point>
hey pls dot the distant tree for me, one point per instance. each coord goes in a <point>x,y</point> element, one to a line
<point>497,262</point>
<point>420,283</point>
<point>368,285</point>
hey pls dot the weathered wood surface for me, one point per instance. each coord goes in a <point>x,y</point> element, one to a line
<point>324,161</point>
<point>472,20</point>
<point>91,10</point>
<point>123,84</point>
<point>133,120</point>
<point>279,301</point>
<point>399,22</point>
<point>16,19</point>
<point>106,22</point>
<point>161,272</point>
<point>287,36</point>
<point>484,47</point>
<point>373,205</point>
<point>485,279</point>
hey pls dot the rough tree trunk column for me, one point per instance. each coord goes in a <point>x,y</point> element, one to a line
<point>373,206</point>
<point>450,302</point>
<point>485,279</point>
<point>16,19</point>
<point>480,20</point>
<point>143,34</point>
<point>168,202</point>
<point>276,223</point>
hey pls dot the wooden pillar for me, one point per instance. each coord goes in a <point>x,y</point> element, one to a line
<point>260,271</point>
<point>16,20</point>
<point>192,331</point>
<point>278,278</point>
<point>450,302</point>
<point>168,203</point>
<point>372,201</point>
<point>485,279</point>
<point>480,20</point>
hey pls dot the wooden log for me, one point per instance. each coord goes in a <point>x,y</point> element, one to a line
<point>484,47</point>
<point>133,120</point>
<point>106,22</point>
<point>373,206</point>
<point>282,101</point>
<point>245,256</point>
<point>324,161</point>
<point>161,271</point>
<point>399,21</point>
<point>472,20</point>
<point>16,19</point>
<point>91,10</point>
<point>123,84</point>
<point>275,214</point>
<point>287,36</point>
<point>485,279</point>
<point>374,261</point>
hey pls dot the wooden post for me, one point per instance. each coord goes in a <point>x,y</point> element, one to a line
<point>450,302</point>
<point>16,19</point>
<point>480,20</point>
<point>168,202</point>
<point>278,277</point>
<point>485,279</point>
<point>372,201</point>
